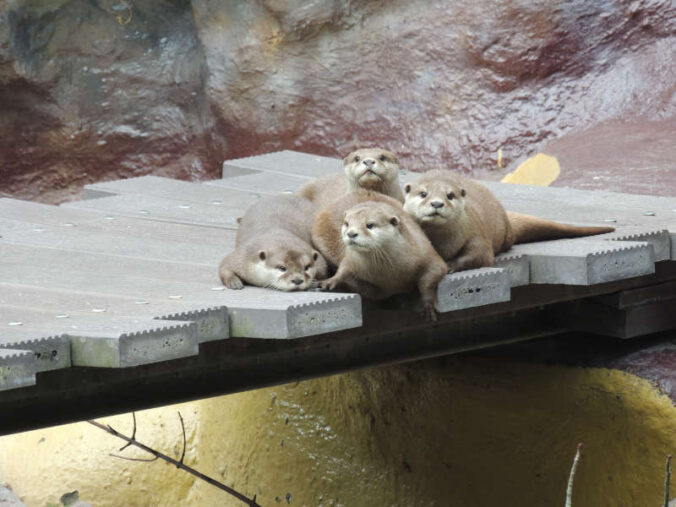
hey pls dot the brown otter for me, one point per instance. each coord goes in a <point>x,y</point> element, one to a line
<point>467,224</point>
<point>273,247</point>
<point>380,251</point>
<point>368,168</point>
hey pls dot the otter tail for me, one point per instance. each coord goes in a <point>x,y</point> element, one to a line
<point>528,228</point>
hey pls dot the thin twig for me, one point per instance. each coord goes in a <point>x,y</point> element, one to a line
<point>569,492</point>
<point>133,434</point>
<point>667,479</point>
<point>133,459</point>
<point>183,429</point>
<point>182,466</point>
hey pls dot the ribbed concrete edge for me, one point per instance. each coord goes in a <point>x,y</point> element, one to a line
<point>49,352</point>
<point>517,266</point>
<point>630,260</point>
<point>325,317</point>
<point>333,314</point>
<point>163,343</point>
<point>212,323</point>
<point>91,192</point>
<point>16,369</point>
<point>659,239</point>
<point>476,287</point>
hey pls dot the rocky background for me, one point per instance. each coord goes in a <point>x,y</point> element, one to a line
<point>102,89</point>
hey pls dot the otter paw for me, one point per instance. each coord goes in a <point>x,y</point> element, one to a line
<point>233,283</point>
<point>429,313</point>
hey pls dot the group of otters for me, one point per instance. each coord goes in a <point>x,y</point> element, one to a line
<point>377,240</point>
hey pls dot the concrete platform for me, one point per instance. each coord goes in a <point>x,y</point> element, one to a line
<point>128,277</point>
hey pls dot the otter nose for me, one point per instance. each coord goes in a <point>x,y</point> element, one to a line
<point>352,234</point>
<point>369,162</point>
<point>297,281</point>
<point>437,204</point>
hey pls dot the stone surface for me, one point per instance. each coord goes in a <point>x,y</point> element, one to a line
<point>97,91</point>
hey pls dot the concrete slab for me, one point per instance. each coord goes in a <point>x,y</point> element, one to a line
<point>64,218</point>
<point>476,287</point>
<point>586,261</point>
<point>286,162</point>
<point>212,322</point>
<point>262,183</point>
<point>16,369</point>
<point>113,243</point>
<point>51,351</point>
<point>168,210</point>
<point>295,314</point>
<point>517,266</point>
<point>185,192</point>
<point>99,340</point>
<point>659,238</point>
<point>587,208</point>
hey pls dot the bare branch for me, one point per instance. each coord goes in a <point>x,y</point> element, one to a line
<point>133,459</point>
<point>569,492</point>
<point>182,428</point>
<point>133,433</point>
<point>178,464</point>
<point>667,479</point>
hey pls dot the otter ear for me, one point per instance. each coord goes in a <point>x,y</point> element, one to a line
<point>346,159</point>
<point>239,220</point>
<point>261,255</point>
<point>394,221</point>
<point>407,188</point>
<point>315,255</point>
<point>462,192</point>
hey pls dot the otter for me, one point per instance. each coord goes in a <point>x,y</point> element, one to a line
<point>273,247</point>
<point>379,250</point>
<point>467,224</point>
<point>367,168</point>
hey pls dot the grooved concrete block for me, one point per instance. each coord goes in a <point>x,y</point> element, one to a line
<point>286,162</point>
<point>517,266</point>
<point>476,287</point>
<point>50,350</point>
<point>262,183</point>
<point>659,239</point>
<point>100,340</point>
<point>586,262</point>
<point>16,369</point>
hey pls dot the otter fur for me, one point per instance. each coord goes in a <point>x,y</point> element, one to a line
<point>367,168</point>
<point>467,224</point>
<point>378,249</point>
<point>273,247</point>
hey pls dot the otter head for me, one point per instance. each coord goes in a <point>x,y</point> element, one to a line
<point>434,202</point>
<point>370,226</point>
<point>286,270</point>
<point>370,168</point>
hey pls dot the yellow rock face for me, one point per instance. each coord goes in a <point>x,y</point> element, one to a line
<point>462,431</point>
<point>540,170</point>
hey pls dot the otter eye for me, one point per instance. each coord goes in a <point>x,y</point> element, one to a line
<point>308,267</point>
<point>346,224</point>
<point>382,158</point>
<point>423,194</point>
<point>281,268</point>
<point>450,196</point>
<point>370,225</point>
<point>357,159</point>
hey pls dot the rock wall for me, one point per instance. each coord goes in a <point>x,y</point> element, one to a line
<point>101,89</point>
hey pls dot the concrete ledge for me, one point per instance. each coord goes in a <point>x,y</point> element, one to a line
<point>476,287</point>
<point>16,369</point>
<point>517,266</point>
<point>286,162</point>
